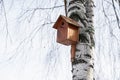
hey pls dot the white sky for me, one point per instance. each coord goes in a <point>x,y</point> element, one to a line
<point>30,51</point>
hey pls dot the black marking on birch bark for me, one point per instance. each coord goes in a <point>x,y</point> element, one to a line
<point>82,79</point>
<point>78,50</point>
<point>91,66</point>
<point>91,21</point>
<point>74,76</point>
<point>78,15</point>
<point>74,1</point>
<point>89,15</point>
<point>85,22</point>
<point>90,30</point>
<point>88,55</point>
<point>75,17</point>
<point>72,70</point>
<point>85,69</point>
<point>78,56</point>
<point>79,61</point>
<point>71,2</point>
<point>89,11</point>
<point>84,38</point>
<point>72,8</point>
<point>90,3</point>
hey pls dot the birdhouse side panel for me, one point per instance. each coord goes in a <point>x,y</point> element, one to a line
<point>73,33</point>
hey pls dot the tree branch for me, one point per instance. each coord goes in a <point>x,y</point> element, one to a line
<point>6,22</point>
<point>65,2</point>
<point>117,18</point>
<point>33,10</point>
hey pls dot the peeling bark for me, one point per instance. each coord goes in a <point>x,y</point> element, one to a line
<point>82,12</point>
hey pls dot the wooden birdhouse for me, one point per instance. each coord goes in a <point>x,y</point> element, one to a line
<point>67,30</point>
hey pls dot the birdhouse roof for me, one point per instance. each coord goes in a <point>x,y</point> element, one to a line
<point>68,20</point>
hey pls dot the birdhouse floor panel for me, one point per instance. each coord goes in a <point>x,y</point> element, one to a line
<point>67,42</point>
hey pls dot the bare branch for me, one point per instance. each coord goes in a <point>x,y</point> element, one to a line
<point>111,31</point>
<point>117,18</point>
<point>26,40</point>
<point>49,8</point>
<point>6,22</point>
<point>118,1</point>
<point>0,1</point>
<point>33,10</point>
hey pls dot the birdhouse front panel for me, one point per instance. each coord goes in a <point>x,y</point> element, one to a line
<point>62,32</point>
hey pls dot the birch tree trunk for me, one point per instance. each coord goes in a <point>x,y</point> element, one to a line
<point>82,12</point>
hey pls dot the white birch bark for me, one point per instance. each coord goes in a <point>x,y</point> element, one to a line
<point>82,12</point>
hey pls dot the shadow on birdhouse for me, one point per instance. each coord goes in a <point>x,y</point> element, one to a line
<point>67,30</point>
